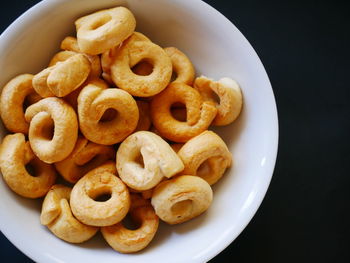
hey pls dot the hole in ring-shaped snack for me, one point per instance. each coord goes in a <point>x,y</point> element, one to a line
<point>206,156</point>
<point>13,100</point>
<point>56,113</point>
<point>181,198</point>
<point>199,114</point>
<point>62,78</point>
<point>56,214</point>
<point>84,157</point>
<point>230,98</point>
<point>99,181</point>
<point>137,85</point>
<point>94,101</point>
<point>125,240</point>
<point>144,158</point>
<point>105,29</point>
<point>15,154</point>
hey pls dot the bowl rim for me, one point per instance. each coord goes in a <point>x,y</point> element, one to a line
<point>269,166</point>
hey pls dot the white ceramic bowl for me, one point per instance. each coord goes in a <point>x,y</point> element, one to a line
<point>217,50</point>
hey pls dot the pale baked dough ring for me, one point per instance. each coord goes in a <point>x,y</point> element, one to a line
<point>142,86</point>
<point>56,214</point>
<point>182,66</point>
<point>182,198</point>
<point>71,44</point>
<point>12,102</point>
<point>84,157</point>
<point>199,114</point>
<point>144,122</point>
<point>97,182</point>
<point>159,160</point>
<point>63,77</point>
<point>93,101</point>
<point>44,114</point>
<point>230,96</point>
<point>206,156</point>
<point>105,29</point>
<point>15,154</point>
<point>125,240</point>
<point>108,56</point>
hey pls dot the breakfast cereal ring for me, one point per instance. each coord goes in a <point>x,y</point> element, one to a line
<point>144,158</point>
<point>56,214</point>
<point>84,157</point>
<point>62,78</point>
<point>230,96</point>
<point>102,30</point>
<point>15,155</point>
<point>182,66</point>
<point>125,240</point>
<point>144,122</point>
<point>137,85</point>
<point>206,156</point>
<point>94,101</point>
<point>199,114</point>
<point>71,44</point>
<point>53,129</point>
<point>14,96</point>
<point>98,182</point>
<point>182,198</point>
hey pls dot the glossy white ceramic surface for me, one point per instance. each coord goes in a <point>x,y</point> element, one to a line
<point>217,50</point>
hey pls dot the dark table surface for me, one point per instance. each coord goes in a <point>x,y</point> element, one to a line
<point>304,46</point>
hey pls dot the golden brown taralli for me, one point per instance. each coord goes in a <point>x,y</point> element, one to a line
<point>230,98</point>
<point>105,29</point>
<point>56,214</point>
<point>100,181</point>
<point>206,156</point>
<point>53,129</point>
<point>94,101</point>
<point>15,94</point>
<point>199,114</point>
<point>15,154</point>
<point>125,240</point>
<point>181,198</point>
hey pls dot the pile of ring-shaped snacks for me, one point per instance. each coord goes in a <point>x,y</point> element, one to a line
<point>124,122</point>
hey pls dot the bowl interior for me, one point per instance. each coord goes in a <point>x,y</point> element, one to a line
<point>217,49</point>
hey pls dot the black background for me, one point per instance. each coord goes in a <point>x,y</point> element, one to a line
<point>304,46</point>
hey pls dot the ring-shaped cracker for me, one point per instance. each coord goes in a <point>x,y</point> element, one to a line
<point>182,66</point>
<point>93,101</point>
<point>230,98</point>
<point>12,101</point>
<point>199,114</point>
<point>137,85</point>
<point>97,182</point>
<point>181,198</point>
<point>44,115</point>
<point>105,29</point>
<point>56,214</point>
<point>144,158</point>
<point>125,240</point>
<point>206,156</point>
<point>15,154</point>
